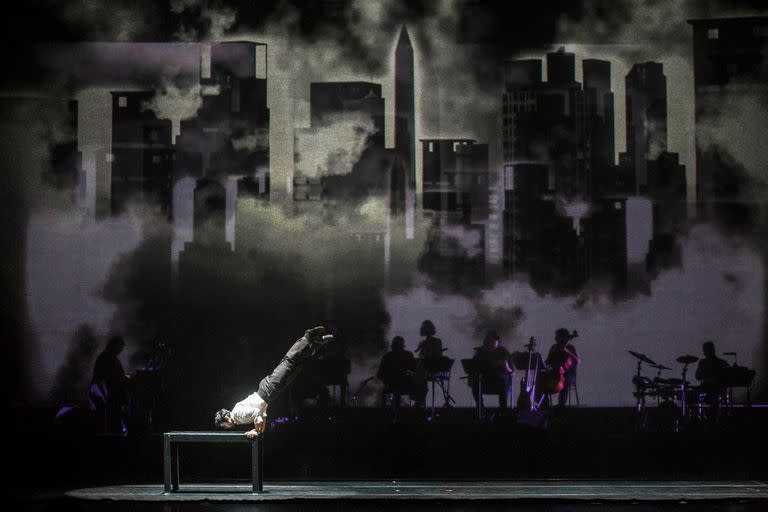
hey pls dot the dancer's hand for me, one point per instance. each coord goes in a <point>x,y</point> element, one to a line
<point>259,425</point>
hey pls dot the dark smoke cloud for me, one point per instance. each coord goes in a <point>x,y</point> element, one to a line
<point>500,319</point>
<point>240,310</point>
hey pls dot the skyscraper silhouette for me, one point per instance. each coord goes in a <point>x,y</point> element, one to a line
<point>646,102</point>
<point>455,198</point>
<point>332,99</point>
<point>599,106</point>
<point>731,80</point>
<point>229,135</point>
<point>546,161</point>
<point>403,175</point>
<point>141,152</point>
<point>331,105</point>
<point>404,103</point>
<point>455,175</point>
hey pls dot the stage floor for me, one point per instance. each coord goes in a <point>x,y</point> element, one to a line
<point>551,490</point>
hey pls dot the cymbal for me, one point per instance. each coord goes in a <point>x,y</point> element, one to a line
<point>662,367</point>
<point>642,357</point>
<point>687,359</point>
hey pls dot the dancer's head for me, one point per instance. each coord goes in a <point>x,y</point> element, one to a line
<point>223,419</point>
<point>398,344</point>
<point>427,328</point>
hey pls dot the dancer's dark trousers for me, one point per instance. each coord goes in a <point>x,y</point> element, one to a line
<point>287,370</point>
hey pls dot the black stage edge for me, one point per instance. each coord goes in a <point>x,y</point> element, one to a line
<point>549,491</point>
<point>358,459</point>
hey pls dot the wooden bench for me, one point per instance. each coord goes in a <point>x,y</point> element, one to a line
<point>172,440</point>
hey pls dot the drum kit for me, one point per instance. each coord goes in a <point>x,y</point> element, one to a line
<point>694,401</point>
<point>665,390</point>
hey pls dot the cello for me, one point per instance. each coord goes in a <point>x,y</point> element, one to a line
<point>553,379</point>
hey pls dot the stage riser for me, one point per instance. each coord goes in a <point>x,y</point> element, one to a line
<point>334,450</point>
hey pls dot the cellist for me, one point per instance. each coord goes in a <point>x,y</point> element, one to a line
<point>563,358</point>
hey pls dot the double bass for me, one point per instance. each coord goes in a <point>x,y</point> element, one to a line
<point>531,361</point>
<point>553,379</point>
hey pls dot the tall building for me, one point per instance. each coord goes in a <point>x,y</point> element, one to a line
<point>730,79</point>
<point>142,152</point>
<point>668,190</point>
<point>334,177</point>
<point>334,108</point>
<point>403,176</point>
<point>522,130</point>
<point>455,176</point>
<point>599,106</point>
<point>546,162</point>
<point>455,197</point>
<point>647,169</point>
<point>228,139</point>
<point>224,147</point>
<point>606,227</point>
<point>329,100</point>
<point>229,135</point>
<point>563,110</point>
<point>646,118</point>
<point>405,112</point>
<point>651,174</point>
<point>525,187</point>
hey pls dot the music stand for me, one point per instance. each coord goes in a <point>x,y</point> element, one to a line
<point>438,370</point>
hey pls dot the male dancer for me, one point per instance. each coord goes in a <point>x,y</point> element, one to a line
<point>253,409</point>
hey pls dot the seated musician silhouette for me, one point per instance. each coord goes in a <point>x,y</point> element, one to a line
<point>711,371</point>
<point>430,348</point>
<point>398,372</point>
<point>562,357</point>
<point>494,368</point>
<point>108,393</point>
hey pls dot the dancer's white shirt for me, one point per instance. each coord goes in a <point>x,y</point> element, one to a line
<point>249,409</point>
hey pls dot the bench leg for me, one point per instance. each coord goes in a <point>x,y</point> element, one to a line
<point>167,464</point>
<point>175,466</point>
<point>257,463</point>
